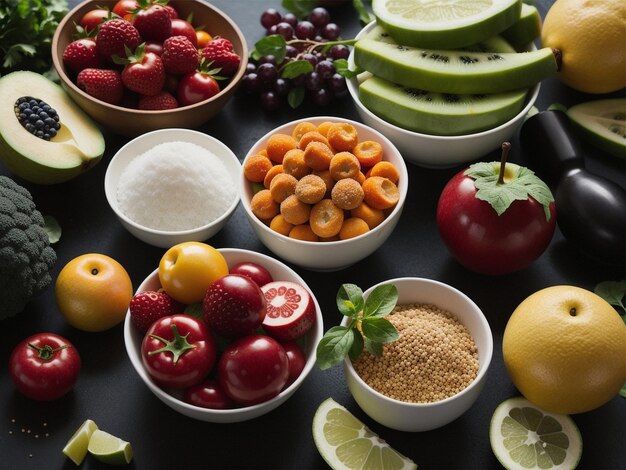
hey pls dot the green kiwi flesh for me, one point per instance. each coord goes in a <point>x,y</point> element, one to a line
<point>458,72</point>
<point>424,24</point>
<point>602,123</point>
<point>526,29</point>
<point>437,113</point>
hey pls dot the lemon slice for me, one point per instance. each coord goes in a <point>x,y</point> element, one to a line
<point>445,24</point>
<point>346,443</point>
<point>76,447</point>
<point>110,449</point>
<point>523,436</point>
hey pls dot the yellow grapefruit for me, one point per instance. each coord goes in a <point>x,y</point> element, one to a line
<point>565,349</point>
<point>591,35</point>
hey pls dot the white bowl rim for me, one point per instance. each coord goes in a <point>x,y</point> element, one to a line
<point>353,88</point>
<point>483,367</point>
<point>404,176</point>
<point>317,330</point>
<point>112,198</point>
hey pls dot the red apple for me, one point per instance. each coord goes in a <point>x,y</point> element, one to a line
<point>492,224</point>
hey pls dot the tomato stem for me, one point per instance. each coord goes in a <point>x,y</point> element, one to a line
<point>46,352</point>
<point>506,147</point>
<point>178,346</point>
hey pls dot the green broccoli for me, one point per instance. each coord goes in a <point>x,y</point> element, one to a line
<point>26,256</point>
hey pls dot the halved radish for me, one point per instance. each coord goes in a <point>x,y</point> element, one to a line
<point>290,310</point>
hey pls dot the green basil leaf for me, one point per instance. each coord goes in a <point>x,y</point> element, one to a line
<point>379,330</point>
<point>274,45</point>
<point>52,228</point>
<point>350,300</point>
<point>364,16</point>
<point>381,301</point>
<point>296,68</point>
<point>357,345</point>
<point>295,97</point>
<point>374,348</point>
<point>300,8</point>
<point>334,346</point>
<point>613,292</point>
<point>341,67</point>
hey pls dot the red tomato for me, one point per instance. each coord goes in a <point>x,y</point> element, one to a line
<point>122,7</point>
<point>93,18</point>
<point>208,394</point>
<point>184,28</point>
<point>178,351</point>
<point>195,87</point>
<point>253,369</point>
<point>44,366</point>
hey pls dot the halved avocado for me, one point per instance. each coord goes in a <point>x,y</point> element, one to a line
<point>78,145</point>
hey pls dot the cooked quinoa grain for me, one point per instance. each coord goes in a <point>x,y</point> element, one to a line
<point>434,357</point>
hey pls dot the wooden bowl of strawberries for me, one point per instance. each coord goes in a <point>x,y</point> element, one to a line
<point>138,65</point>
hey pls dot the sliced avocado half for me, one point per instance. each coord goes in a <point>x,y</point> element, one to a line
<point>77,146</point>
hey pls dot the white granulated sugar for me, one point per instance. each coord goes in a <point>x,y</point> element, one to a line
<point>175,186</point>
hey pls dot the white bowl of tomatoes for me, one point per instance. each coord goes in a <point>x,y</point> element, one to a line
<point>242,372</point>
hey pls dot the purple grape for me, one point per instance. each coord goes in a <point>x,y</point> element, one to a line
<point>285,30</point>
<point>267,72</point>
<point>270,17</point>
<point>291,19</point>
<point>337,84</point>
<point>331,32</point>
<point>298,80</point>
<point>325,69</point>
<point>290,51</point>
<point>319,17</point>
<point>271,30</point>
<point>311,58</point>
<point>270,101</point>
<point>267,59</point>
<point>313,81</point>
<point>318,38</point>
<point>322,97</point>
<point>305,30</point>
<point>281,87</point>
<point>251,82</point>
<point>339,51</point>
<point>250,67</point>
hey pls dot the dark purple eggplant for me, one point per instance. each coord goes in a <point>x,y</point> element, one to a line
<point>590,209</point>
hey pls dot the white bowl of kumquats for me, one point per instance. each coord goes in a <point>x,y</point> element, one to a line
<point>323,192</point>
<point>435,370</point>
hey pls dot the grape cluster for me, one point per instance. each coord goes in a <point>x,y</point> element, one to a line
<point>305,40</point>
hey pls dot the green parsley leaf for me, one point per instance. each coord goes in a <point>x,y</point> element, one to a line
<point>613,292</point>
<point>334,346</point>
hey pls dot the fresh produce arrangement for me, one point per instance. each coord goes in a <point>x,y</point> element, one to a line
<point>223,341</point>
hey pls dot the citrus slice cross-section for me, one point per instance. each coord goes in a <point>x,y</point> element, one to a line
<point>76,447</point>
<point>346,443</point>
<point>443,24</point>
<point>603,123</point>
<point>525,437</point>
<point>110,449</point>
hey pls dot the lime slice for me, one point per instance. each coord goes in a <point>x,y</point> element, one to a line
<point>445,24</point>
<point>110,449</point>
<point>76,447</point>
<point>346,443</point>
<point>524,436</point>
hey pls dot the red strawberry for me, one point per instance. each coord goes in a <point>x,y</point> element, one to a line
<point>82,54</point>
<point>147,307</point>
<point>163,100</point>
<point>153,21</point>
<point>179,55</point>
<point>113,35</point>
<point>220,52</point>
<point>144,72</point>
<point>103,84</point>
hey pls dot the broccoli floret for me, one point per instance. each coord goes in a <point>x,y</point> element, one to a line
<point>26,257</point>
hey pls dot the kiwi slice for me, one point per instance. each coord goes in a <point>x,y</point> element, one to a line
<point>459,72</point>
<point>526,29</point>
<point>602,123</point>
<point>445,25</point>
<point>438,113</point>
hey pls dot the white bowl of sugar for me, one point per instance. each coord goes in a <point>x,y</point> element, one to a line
<point>173,185</point>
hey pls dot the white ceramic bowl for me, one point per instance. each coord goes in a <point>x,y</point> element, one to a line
<point>172,398</point>
<point>405,416</point>
<point>328,256</point>
<point>143,143</point>
<point>433,151</point>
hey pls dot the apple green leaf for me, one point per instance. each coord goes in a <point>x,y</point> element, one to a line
<point>613,292</point>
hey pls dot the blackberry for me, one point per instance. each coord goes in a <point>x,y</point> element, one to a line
<point>37,117</point>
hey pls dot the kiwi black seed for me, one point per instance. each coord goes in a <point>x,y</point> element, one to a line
<point>37,117</point>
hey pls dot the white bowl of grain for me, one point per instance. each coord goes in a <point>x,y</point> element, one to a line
<point>437,368</point>
<point>173,185</point>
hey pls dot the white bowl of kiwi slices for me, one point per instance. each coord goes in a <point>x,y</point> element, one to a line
<point>443,108</point>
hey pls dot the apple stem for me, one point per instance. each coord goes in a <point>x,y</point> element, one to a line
<point>506,147</point>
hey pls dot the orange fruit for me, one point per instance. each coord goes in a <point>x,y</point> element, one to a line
<point>565,349</point>
<point>93,292</point>
<point>591,35</point>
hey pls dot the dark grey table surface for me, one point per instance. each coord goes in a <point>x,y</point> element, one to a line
<point>108,391</point>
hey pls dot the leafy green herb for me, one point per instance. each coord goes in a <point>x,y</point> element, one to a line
<point>26,30</point>
<point>194,310</point>
<point>491,187</point>
<point>341,341</point>
<point>295,68</point>
<point>613,292</point>
<point>273,44</point>
<point>296,96</point>
<point>364,15</point>
<point>52,228</point>
<point>300,8</point>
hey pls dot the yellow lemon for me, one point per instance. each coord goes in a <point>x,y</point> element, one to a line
<point>591,35</point>
<point>565,349</point>
<point>93,292</point>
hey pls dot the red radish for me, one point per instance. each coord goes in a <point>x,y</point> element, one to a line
<point>296,360</point>
<point>290,310</point>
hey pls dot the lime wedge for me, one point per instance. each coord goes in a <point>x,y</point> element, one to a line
<point>110,449</point>
<point>76,447</point>
<point>445,24</point>
<point>346,443</point>
<point>524,436</point>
